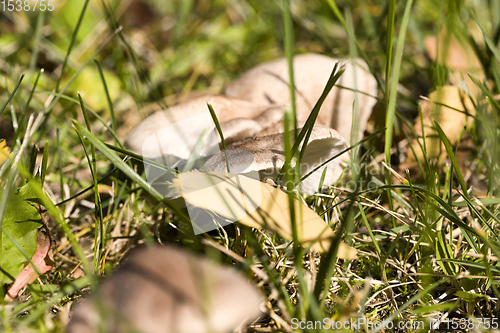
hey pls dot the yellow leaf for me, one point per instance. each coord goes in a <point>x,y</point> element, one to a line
<point>89,85</point>
<point>4,152</point>
<point>255,204</point>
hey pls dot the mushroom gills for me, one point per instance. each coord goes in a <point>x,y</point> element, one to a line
<point>265,154</point>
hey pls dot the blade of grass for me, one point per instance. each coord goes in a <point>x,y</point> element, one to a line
<point>99,226</point>
<point>45,159</point>
<point>110,103</point>
<point>72,42</point>
<point>451,155</point>
<point>25,110</point>
<point>389,47</point>
<point>36,45</point>
<point>219,130</point>
<point>369,229</point>
<point>365,57</point>
<point>32,161</point>
<point>289,54</point>
<point>61,174</point>
<point>290,185</point>
<point>391,105</point>
<point>12,93</point>
<point>392,93</point>
<point>311,119</point>
<point>485,90</point>
<point>95,114</point>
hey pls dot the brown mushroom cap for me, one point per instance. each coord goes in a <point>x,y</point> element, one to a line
<point>166,289</point>
<point>266,155</point>
<point>155,136</point>
<point>268,83</point>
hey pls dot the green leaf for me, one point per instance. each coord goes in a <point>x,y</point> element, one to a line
<point>21,221</point>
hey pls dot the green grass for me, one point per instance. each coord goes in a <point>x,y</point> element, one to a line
<point>428,246</point>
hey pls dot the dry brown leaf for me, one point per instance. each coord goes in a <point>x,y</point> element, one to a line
<point>43,261</point>
<point>257,205</point>
<point>458,56</point>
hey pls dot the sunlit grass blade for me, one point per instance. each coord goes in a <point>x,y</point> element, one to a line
<point>72,42</point>
<point>45,158</point>
<point>289,54</point>
<point>451,155</point>
<point>99,225</point>
<point>363,54</point>
<point>110,103</point>
<point>389,47</point>
<point>486,91</point>
<point>311,119</point>
<point>219,130</point>
<point>94,113</point>
<point>12,93</point>
<point>393,90</point>
<point>396,68</point>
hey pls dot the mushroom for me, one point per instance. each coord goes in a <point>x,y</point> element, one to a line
<point>265,154</point>
<point>174,132</point>
<point>166,289</point>
<point>269,83</point>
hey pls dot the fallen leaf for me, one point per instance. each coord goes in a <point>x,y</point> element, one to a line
<point>21,222</point>
<point>43,261</point>
<point>253,203</point>
<point>4,152</point>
